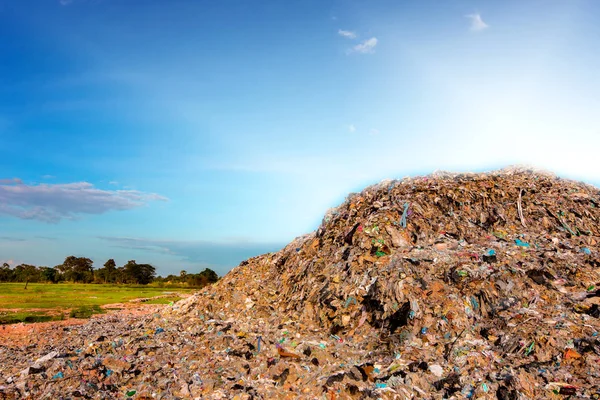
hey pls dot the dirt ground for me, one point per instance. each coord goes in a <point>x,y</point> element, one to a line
<point>20,334</point>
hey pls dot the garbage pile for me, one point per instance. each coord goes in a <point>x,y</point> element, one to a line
<point>449,286</point>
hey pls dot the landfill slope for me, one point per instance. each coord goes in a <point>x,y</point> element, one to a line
<point>446,286</point>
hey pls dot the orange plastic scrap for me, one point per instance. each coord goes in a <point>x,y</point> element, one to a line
<point>368,370</point>
<point>571,354</point>
<point>283,353</point>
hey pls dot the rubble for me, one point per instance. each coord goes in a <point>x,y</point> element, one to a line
<point>477,286</point>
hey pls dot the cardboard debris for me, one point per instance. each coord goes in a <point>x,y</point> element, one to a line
<point>483,286</point>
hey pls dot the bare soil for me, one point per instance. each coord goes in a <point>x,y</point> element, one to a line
<point>21,334</point>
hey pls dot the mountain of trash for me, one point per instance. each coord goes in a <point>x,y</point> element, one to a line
<point>449,286</point>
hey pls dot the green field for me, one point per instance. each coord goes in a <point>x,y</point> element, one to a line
<point>43,302</point>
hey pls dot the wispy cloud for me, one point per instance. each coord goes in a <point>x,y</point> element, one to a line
<point>477,24</point>
<point>365,47</point>
<point>374,132</point>
<point>11,239</point>
<point>351,128</point>
<point>54,202</point>
<point>65,2</point>
<point>48,177</point>
<point>113,183</point>
<point>45,237</point>
<point>13,181</point>
<point>220,256</point>
<point>347,34</point>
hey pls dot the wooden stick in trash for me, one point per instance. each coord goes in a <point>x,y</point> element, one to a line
<point>520,208</point>
<point>449,349</point>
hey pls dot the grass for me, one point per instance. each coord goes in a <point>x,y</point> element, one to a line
<point>85,311</point>
<point>41,302</point>
<point>28,317</point>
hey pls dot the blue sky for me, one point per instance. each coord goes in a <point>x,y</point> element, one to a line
<point>193,134</point>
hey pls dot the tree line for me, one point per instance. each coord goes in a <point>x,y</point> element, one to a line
<point>81,270</point>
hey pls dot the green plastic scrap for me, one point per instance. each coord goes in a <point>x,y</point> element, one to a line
<point>530,348</point>
<point>131,393</point>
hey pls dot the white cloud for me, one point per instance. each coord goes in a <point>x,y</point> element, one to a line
<point>365,47</point>
<point>351,128</point>
<point>113,183</point>
<point>53,202</point>
<point>477,23</point>
<point>347,34</point>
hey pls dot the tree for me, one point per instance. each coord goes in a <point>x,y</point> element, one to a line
<point>109,272</point>
<point>26,273</point>
<point>6,273</point>
<point>59,272</point>
<point>138,273</point>
<point>147,274</point>
<point>78,269</point>
<point>201,279</point>
<point>120,276</point>
<point>210,275</point>
<point>49,274</point>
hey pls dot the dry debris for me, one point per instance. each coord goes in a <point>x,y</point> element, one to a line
<point>476,286</point>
